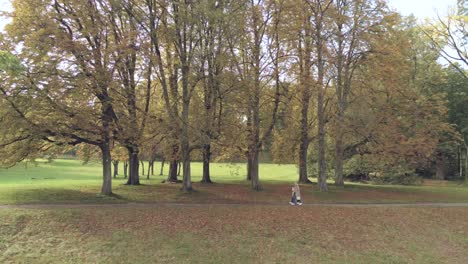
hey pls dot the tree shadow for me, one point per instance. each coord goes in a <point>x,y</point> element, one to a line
<point>61,196</point>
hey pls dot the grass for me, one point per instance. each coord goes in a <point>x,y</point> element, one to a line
<point>67,181</point>
<point>216,232</point>
<point>240,234</point>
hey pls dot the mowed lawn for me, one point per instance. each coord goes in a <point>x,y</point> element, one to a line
<point>221,223</point>
<point>68,181</point>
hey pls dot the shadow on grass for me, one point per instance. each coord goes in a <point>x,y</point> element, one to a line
<point>59,196</point>
<point>229,193</point>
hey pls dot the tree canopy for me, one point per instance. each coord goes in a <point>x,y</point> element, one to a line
<point>318,83</point>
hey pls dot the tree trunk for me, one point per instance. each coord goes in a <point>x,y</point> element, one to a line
<point>142,167</point>
<point>304,145</point>
<point>206,164</point>
<point>341,98</point>
<point>440,166</point>
<point>322,166</point>
<point>152,167</point>
<point>162,167</point>
<point>106,168</point>
<point>179,165</point>
<point>187,179</point>
<point>125,167</point>
<point>249,168</point>
<point>106,119</point>
<point>133,177</point>
<point>306,81</point>
<point>255,181</point>
<point>322,177</point>
<point>466,164</point>
<point>172,176</point>
<point>116,168</point>
<point>339,180</point>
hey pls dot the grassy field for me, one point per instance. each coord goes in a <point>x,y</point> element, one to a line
<point>222,223</point>
<point>67,181</point>
<point>234,234</point>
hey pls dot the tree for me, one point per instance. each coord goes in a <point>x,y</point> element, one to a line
<point>213,16</point>
<point>393,124</point>
<point>448,36</point>
<point>250,62</point>
<point>455,89</point>
<point>74,55</point>
<point>355,24</point>
<point>318,14</point>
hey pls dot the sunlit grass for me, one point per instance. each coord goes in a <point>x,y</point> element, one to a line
<point>68,181</point>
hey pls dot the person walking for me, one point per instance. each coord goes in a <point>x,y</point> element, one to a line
<point>296,195</point>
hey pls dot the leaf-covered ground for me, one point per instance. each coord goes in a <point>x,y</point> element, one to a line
<point>234,234</point>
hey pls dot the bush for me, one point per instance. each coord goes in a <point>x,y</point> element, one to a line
<point>361,169</point>
<point>397,175</point>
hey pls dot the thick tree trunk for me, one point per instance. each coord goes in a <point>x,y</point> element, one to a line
<point>172,176</point>
<point>187,179</point>
<point>306,81</point>
<point>106,119</point>
<point>206,164</point>
<point>322,177</point>
<point>440,167</point>
<point>162,167</point>
<point>320,62</point>
<point>339,180</point>
<point>303,161</point>
<point>255,179</point>
<point>133,176</point>
<point>304,145</point>
<point>249,168</point>
<point>116,168</point>
<point>106,169</point>
<point>125,168</point>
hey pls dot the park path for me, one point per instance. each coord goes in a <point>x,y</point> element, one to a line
<point>162,204</point>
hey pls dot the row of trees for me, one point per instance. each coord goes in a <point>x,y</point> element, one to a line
<point>221,79</point>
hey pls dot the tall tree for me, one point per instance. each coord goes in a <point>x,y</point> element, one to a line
<point>248,45</point>
<point>171,27</point>
<point>70,70</point>
<point>319,19</point>
<point>355,24</point>
<point>214,15</point>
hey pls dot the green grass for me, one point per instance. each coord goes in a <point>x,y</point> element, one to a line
<point>67,181</point>
<point>69,171</point>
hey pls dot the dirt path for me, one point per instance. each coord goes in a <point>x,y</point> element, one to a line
<point>149,205</point>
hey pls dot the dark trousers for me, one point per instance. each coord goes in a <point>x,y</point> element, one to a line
<point>293,198</point>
